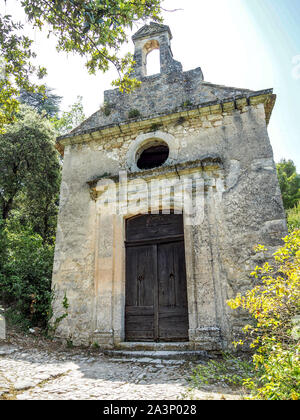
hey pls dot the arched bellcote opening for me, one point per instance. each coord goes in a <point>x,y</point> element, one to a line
<point>151,53</point>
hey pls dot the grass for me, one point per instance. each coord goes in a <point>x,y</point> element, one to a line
<point>230,370</point>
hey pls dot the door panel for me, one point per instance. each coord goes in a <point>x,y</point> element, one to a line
<point>172,307</point>
<point>140,286</point>
<point>153,226</point>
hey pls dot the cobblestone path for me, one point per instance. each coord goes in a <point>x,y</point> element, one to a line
<point>29,373</point>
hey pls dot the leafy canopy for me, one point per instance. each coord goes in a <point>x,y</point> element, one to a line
<point>293,216</point>
<point>30,171</point>
<point>69,119</point>
<point>289,182</point>
<point>16,68</point>
<point>25,275</point>
<point>46,103</point>
<point>94,29</point>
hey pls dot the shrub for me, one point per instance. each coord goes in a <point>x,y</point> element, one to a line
<point>134,113</point>
<point>289,181</point>
<point>230,370</point>
<point>25,275</point>
<point>106,109</point>
<point>293,217</point>
<point>275,307</point>
<point>186,104</point>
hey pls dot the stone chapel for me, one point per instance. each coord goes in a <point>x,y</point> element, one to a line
<point>165,192</point>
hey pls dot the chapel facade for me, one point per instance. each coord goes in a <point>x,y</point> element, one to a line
<point>165,192</point>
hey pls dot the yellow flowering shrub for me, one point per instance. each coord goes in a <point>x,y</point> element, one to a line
<point>274,305</point>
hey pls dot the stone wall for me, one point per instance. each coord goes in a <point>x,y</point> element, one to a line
<point>2,325</point>
<point>159,94</point>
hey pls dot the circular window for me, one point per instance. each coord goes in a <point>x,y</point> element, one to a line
<point>153,157</point>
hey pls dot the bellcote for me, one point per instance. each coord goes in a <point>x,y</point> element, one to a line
<point>149,38</point>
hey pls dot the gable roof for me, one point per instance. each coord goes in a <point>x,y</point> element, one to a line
<point>150,30</point>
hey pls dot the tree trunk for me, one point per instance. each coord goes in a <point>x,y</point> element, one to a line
<point>7,206</point>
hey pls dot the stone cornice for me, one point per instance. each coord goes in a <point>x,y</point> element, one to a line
<point>209,162</point>
<point>265,97</point>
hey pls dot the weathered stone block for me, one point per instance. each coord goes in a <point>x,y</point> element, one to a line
<point>2,325</point>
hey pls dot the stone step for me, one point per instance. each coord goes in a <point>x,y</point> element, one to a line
<point>147,360</point>
<point>180,355</point>
<point>150,346</point>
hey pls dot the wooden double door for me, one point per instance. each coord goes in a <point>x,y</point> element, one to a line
<point>156,289</point>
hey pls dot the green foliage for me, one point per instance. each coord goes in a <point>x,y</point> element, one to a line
<point>69,119</point>
<point>289,182</point>
<point>16,68</point>
<point>29,191</point>
<point>70,344</point>
<point>229,370</point>
<point>126,83</point>
<point>53,325</point>
<point>280,379</point>
<point>134,113</point>
<point>293,217</point>
<point>30,173</point>
<point>95,29</point>
<point>46,103</point>
<point>155,127</point>
<point>274,305</point>
<point>16,318</point>
<point>106,109</point>
<point>25,275</point>
<point>186,104</point>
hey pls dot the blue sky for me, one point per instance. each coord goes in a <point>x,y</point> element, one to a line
<point>250,44</point>
<point>278,25</point>
<point>241,43</point>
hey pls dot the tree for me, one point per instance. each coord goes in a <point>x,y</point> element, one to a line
<point>293,217</point>
<point>94,29</point>
<point>30,172</point>
<point>15,68</point>
<point>25,276</point>
<point>289,182</point>
<point>46,102</point>
<point>69,119</point>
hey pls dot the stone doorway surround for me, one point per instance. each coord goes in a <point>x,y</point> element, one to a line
<point>204,287</point>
